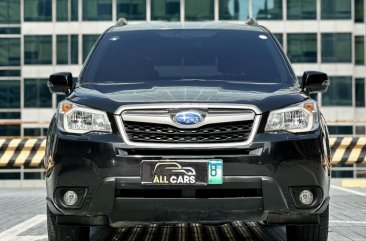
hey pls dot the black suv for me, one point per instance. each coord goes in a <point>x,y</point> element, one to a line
<point>194,122</point>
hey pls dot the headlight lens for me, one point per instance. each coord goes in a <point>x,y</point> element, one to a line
<point>302,117</point>
<point>78,119</point>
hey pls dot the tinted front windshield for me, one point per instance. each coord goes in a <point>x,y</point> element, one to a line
<point>184,54</point>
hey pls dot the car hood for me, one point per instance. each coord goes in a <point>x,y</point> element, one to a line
<point>109,97</point>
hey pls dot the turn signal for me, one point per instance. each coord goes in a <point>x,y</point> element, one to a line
<point>309,106</point>
<point>65,107</point>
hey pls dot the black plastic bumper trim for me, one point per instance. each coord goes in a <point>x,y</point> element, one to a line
<point>82,220</point>
<point>292,219</point>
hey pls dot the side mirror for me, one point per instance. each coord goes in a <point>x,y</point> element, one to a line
<point>314,81</point>
<point>60,83</point>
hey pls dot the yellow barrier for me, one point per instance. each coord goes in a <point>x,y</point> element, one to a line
<point>18,152</point>
<point>30,151</point>
<point>352,183</point>
<point>348,150</point>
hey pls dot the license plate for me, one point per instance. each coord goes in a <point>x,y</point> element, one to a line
<point>181,172</point>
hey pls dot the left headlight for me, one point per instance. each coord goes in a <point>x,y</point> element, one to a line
<point>73,118</point>
<point>302,117</point>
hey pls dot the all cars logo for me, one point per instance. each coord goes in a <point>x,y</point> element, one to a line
<point>173,173</point>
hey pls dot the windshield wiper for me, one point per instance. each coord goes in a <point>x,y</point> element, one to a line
<point>115,83</point>
<point>191,80</point>
<point>217,80</point>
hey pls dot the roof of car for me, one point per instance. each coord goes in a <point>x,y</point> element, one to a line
<point>187,25</point>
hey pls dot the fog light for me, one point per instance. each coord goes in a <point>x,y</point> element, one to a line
<point>70,198</point>
<point>306,197</point>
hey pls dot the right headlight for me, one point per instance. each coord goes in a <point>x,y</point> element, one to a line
<point>302,117</point>
<point>73,118</point>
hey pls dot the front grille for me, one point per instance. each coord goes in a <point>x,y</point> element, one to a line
<point>212,133</point>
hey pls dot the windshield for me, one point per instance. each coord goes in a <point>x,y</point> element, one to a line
<point>187,55</point>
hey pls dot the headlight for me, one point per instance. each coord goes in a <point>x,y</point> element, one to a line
<point>78,119</point>
<point>301,117</point>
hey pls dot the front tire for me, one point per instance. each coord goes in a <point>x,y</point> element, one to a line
<point>310,232</point>
<point>65,233</point>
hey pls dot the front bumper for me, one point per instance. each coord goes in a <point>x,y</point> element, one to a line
<point>257,182</point>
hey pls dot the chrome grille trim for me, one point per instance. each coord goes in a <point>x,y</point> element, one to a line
<point>166,118</point>
<point>119,117</point>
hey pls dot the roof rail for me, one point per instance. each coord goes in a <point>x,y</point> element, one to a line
<point>121,22</point>
<point>251,22</point>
